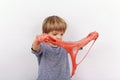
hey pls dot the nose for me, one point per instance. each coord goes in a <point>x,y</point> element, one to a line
<point>59,37</point>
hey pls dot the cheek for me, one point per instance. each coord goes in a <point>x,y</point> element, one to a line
<point>53,36</point>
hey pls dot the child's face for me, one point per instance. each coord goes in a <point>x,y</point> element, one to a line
<point>56,34</point>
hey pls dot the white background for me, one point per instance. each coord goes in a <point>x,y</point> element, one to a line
<point>21,20</point>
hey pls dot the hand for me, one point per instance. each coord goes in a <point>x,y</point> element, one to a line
<point>93,35</point>
<point>42,38</point>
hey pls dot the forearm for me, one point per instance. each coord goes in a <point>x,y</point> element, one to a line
<point>36,46</point>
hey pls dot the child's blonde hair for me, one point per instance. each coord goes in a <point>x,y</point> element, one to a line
<point>53,23</point>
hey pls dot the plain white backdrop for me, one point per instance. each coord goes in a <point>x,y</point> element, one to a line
<point>21,20</point>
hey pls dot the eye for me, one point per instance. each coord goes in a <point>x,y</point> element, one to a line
<point>61,34</point>
<point>54,34</point>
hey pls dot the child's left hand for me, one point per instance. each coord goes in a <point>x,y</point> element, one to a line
<point>93,35</point>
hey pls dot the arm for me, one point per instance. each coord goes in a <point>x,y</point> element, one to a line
<point>36,44</point>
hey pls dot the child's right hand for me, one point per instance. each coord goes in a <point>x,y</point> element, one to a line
<point>42,38</point>
<point>38,40</point>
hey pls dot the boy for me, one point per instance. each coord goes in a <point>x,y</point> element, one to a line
<point>53,59</point>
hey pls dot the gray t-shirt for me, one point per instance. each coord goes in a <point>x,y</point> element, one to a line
<point>53,63</point>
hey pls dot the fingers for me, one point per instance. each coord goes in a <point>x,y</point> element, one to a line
<point>93,35</point>
<point>44,38</point>
<point>41,38</point>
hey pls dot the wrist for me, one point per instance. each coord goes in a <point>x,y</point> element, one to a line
<point>36,42</point>
<point>35,47</point>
